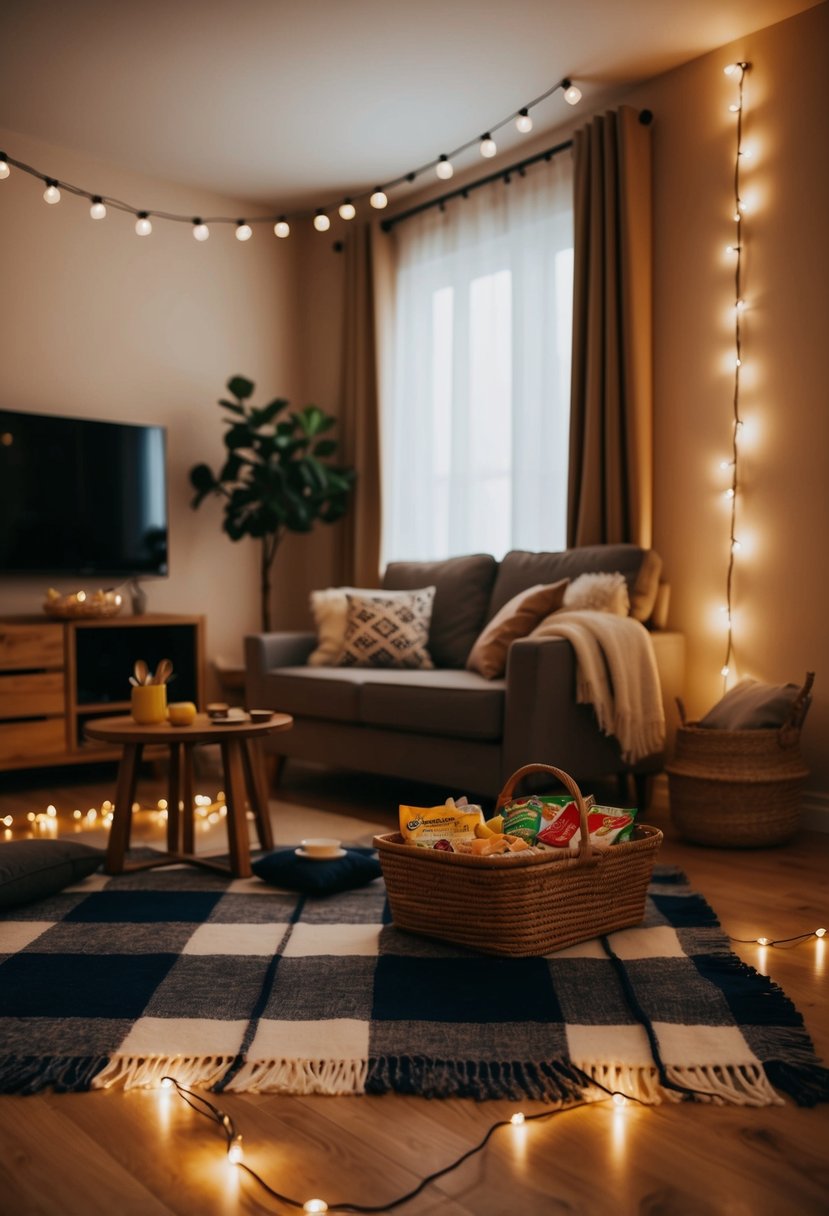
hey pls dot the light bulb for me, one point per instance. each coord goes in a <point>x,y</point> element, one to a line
<point>737,217</point>
<point>200,230</point>
<point>619,1100</point>
<point>167,1082</point>
<point>762,941</point>
<point>729,493</point>
<point>143,227</point>
<point>735,107</point>
<point>732,249</point>
<point>444,168</point>
<point>315,1205</point>
<point>235,1152</point>
<point>378,199</point>
<point>97,210</point>
<point>4,166</point>
<point>730,69</point>
<point>321,222</point>
<point>740,306</point>
<point>347,209</point>
<point>738,362</point>
<point>820,932</point>
<point>282,228</point>
<point>726,464</point>
<point>572,95</point>
<point>488,145</point>
<point>523,122</point>
<point>51,194</point>
<point>517,1119</point>
<point>735,546</point>
<point>725,670</point>
<point>243,231</point>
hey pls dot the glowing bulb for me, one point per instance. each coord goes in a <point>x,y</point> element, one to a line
<point>740,306</point>
<point>820,932</point>
<point>235,1152</point>
<point>51,194</point>
<point>243,231</point>
<point>729,493</point>
<point>488,145</point>
<point>724,670</point>
<point>572,95</point>
<point>166,1082</point>
<point>738,362</point>
<point>80,597</point>
<point>378,199</point>
<point>282,228</point>
<point>737,217</point>
<point>725,464</point>
<point>735,546</point>
<point>523,122</point>
<point>7,821</point>
<point>347,209</point>
<point>735,107</point>
<point>51,812</point>
<point>200,230</point>
<point>444,168</point>
<point>517,1119</point>
<point>4,167</point>
<point>315,1205</point>
<point>321,222</point>
<point>143,227</point>
<point>730,69</point>
<point>619,1100</point>
<point>97,210</point>
<point>762,941</point>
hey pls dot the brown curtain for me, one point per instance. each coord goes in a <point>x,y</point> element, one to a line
<point>360,549</point>
<point>611,420</point>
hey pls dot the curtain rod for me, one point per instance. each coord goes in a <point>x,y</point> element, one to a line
<point>645,117</point>
<point>462,191</point>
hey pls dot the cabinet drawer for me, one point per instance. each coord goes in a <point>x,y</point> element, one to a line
<point>31,695</point>
<point>35,645</point>
<point>28,741</point>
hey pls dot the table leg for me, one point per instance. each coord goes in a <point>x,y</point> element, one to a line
<point>237,828</point>
<point>173,799</point>
<point>187,784</point>
<point>119,832</point>
<point>257,791</point>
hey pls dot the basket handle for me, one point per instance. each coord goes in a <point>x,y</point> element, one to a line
<point>797,713</point>
<point>585,849</point>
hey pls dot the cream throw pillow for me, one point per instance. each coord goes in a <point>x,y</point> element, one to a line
<point>598,592</point>
<point>389,630</point>
<point>518,617</point>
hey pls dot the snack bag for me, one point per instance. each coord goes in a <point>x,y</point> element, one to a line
<point>439,827</point>
<point>526,817</point>
<point>606,825</point>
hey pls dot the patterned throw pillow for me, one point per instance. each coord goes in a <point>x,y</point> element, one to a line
<point>386,631</point>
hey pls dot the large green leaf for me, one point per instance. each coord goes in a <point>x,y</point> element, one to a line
<point>241,387</point>
<point>202,479</point>
<point>325,447</point>
<point>232,405</point>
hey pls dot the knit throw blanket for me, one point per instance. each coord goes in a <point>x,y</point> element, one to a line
<point>617,675</point>
<point>234,985</point>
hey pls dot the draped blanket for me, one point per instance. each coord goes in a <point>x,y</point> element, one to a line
<point>234,985</point>
<point>617,675</point>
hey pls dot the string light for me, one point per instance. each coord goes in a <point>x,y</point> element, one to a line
<point>732,69</point>
<point>98,210</point>
<point>200,230</point>
<point>781,942</point>
<point>442,165</point>
<point>321,222</point>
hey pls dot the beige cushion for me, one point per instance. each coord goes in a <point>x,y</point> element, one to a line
<point>330,612</point>
<point>751,705</point>
<point>518,617</point>
<point>606,592</point>
<point>520,569</point>
<point>388,631</point>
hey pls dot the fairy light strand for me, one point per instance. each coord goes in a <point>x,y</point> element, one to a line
<point>377,196</point>
<point>732,493</point>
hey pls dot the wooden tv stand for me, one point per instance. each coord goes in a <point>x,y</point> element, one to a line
<point>55,675</point>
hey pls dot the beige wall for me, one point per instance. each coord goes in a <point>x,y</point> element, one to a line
<point>781,580</point>
<point>97,322</point>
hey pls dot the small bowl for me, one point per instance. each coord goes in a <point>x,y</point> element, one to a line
<point>260,715</point>
<point>217,709</point>
<point>321,846</point>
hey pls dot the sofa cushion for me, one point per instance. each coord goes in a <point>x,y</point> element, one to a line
<point>462,590</point>
<point>329,609</point>
<point>457,704</point>
<point>315,692</point>
<point>388,630</point>
<point>604,591</point>
<point>33,869</point>
<point>521,569</point>
<point>518,617</point>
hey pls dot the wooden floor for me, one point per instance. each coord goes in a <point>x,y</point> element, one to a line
<point>147,1154</point>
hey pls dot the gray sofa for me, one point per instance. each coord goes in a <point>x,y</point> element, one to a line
<point>451,726</point>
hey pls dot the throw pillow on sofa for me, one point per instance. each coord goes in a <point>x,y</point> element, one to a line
<point>388,631</point>
<point>598,593</point>
<point>329,609</point>
<point>518,617</point>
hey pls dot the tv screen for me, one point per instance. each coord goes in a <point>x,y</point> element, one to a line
<point>81,498</point>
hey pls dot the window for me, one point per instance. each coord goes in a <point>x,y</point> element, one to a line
<point>475,429</point>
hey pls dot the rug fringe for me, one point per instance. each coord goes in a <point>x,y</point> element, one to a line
<point>736,1085</point>
<point>64,1074</point>
<point>549,1081</point>
<point>145,1072</point>
<point>300,1077</point>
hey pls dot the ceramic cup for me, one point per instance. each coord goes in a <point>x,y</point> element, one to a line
<point>260,715</point>
<point>181,713</point>
<point>149,704</point>
<point>321,846</point>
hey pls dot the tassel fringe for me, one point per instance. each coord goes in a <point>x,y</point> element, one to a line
<point>145,1072</point>
<point>64,1074</point>
<point>739,1085</point>
<point>300,1077</point>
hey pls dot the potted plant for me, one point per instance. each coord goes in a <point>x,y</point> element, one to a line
<point>278,476</point>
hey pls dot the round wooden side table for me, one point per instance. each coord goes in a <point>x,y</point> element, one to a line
<point>244,779</point>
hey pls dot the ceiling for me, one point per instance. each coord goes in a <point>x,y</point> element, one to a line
<point>294,103</point>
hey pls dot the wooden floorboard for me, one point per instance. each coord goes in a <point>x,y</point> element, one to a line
<point>144,1153</point>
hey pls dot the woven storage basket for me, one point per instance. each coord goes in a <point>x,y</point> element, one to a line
<point>736,789</point>
<point>519,904</point>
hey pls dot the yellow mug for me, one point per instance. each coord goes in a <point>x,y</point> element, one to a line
<point>181,713</point>
<point>149,704</point>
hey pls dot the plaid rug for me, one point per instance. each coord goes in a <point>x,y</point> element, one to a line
<point>234,985</point>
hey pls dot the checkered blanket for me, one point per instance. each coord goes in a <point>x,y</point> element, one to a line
<point>235,985</point>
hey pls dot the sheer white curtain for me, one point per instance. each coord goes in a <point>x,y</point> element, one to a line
<point>475,419</point>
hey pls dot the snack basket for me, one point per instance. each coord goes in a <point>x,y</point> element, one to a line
<point>519,904</point>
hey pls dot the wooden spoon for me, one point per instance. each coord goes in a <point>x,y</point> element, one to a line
<point>141,672</point>
<point>163,671</point>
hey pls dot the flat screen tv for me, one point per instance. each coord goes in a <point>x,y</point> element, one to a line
<point>81,498</point>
